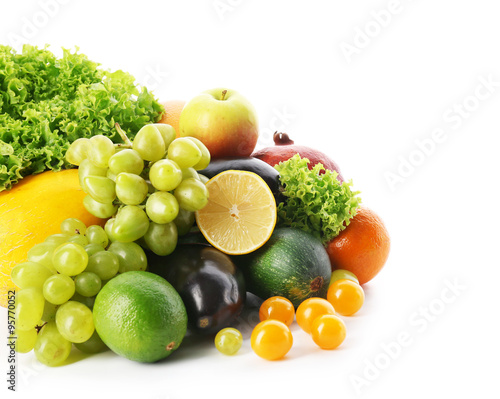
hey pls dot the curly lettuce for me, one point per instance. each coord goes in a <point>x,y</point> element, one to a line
<point>47,102</point>
<point>317,203</point>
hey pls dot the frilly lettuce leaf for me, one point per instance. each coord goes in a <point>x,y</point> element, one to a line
<point>48,102</point>
<point>317,203</point>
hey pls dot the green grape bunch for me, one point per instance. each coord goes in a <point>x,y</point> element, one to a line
<point>58,285</point>
<point>149,189</point>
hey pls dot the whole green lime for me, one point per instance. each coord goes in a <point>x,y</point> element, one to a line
<point>140,316</point>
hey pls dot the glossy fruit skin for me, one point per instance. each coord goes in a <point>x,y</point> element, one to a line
<point>224,120</point>
<point>211,287</point>
<point>32,210</point>
<point>362,247</point>
<point>264,170</point>
<point>271,339</point>
<point>292,264</point>
<point>328,331</point>
<point>277,308</point>
<point>310,309</point>
<point>285,149</point>
<point>346,296</point>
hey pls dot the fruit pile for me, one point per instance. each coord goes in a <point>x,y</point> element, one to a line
<point>193,220</point>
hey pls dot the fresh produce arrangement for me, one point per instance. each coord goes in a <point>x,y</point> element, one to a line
<point>174,226</point>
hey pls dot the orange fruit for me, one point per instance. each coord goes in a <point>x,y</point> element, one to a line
<point>172,113</point>
<point>362,247</point>
<point>32,210</point>
<point>240,214</point>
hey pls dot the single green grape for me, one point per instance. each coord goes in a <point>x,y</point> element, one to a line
<point>190,173</point>
<point>100,151</point>
<point>131,189</point>
<point>30,274</point>
<point>70,259</point>
<point>341,274</point>
<point>57,239</point>
<point>203,178</point>
<point>191,194</point>
<point>87,168</point>
<point>205,154</point>
<point>93,248</point>
<point>165,175</point>
<point>126,161</point>
<point>149,143</point>
<point>104,264</point>
<point>96,235</point>
<point>88,301</point>
<point>80,240</point>
<point>51,348</point>
<point>75,322</point>
<point>93,345</point>
<point>130,256</point>
<point>130,224</point>
<point>99,209</point>
<point>161,238</point>
<point>228,341</point>
<point>58,289</point>
<point>184,221</point>
<point>24,340</point>
<point>42,254</point>
<point>167,132</point>
<point>77,151</point>
<point>108,228</point>
<point>184,152</point>
<point>29,308</point>
<point>73,226</point>
<point>49,311</point>
<point>87,284</point>
<point>162,207</point>
<point>100,188</point>
<point>111,176</point>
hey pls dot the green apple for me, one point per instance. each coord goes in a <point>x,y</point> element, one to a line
<point>224,120</point>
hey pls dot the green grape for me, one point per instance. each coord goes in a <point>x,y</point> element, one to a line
<point>149,143</point>
<point>161,238</point>
<point>93,248</point>
<point>99,209</point>
<point>29,308</point>
<point>100,151</point>
<point>42,254</point>
<point>108,228</point>
<point>228,341</point>
<point>184,221</point>
<point>49,311</point>
<point>111,176</point>
<point>58,289</point>
<point>24,340</point>
<point>57,239</point>
<point>70,259</point>
<point>93,345</point>
<point>75,321</point>
<point>30,274</point>
<point>130,256</point>
<point>205,154</point>
<point>167,132</point>
<point>340,274</point>
<point>203,178</point>
<point>131,189</point>
<point>88,284</point>
<point>86,169</point>
<point>72,226</point>
<point>184,152</point>
<point>104,264</point>
<point>80,240</point>
<point>191,194</point>
<point>162,207</point>
<point>51,348</point>
<point>190,173</point>
<point>88,301</point>
<point>165,175</point>
<point>100,188</point>
<point>130,224</point>
<point>96,235</point>
<point>77,151</point>
<point>126,161</point>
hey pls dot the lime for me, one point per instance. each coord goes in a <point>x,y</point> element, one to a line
<point>140,316</point>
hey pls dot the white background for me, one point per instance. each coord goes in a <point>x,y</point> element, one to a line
<point>406,80</point>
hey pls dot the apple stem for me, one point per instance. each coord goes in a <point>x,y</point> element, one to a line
<point>224,92</point>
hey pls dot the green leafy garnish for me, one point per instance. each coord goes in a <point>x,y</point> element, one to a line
<point>48,102</point>
<point>317,203</point>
